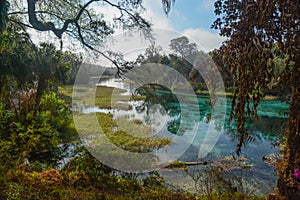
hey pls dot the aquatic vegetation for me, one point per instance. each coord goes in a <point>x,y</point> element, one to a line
<point>127,134</point>
<point>101,96</point>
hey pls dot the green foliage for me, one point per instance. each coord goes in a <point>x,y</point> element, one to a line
<point>16,60</point>
<point>153,55</point>
<point>55,111</point>
<point>25,66</point>
<point>154,180</point>
<point>85,167</point>
<point>72,62</point>
<point>183,47</point>
<point>34,136</point>
<point>15,191</point>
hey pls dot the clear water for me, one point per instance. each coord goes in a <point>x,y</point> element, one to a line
<point>260,179</point>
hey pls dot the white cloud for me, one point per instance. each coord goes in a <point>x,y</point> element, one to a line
<point>205,40</point>
<point>162,27</point>
<point>207,5</point>
<point>155,13</point>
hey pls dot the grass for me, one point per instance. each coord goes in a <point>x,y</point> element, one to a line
<point>101,96</point>
<point>131,135</point>
<point>65,92</point>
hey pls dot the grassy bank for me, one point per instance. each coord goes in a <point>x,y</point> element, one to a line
<point>101,96</point>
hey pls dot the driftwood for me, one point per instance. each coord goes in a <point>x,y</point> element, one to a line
<point>195,163</point>
<point>228,163</point>
<point>182,165</point>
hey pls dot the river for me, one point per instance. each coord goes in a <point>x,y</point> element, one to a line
<point>257,178</point>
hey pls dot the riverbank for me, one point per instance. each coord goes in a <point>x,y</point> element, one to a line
<point>230,95</point>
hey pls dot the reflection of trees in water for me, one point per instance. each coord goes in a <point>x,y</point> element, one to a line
<point>157,94</point>
<point>177,124</point>
<point>262,128</point>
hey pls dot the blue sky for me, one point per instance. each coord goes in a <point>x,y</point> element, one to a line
<point>192,14</point>
<point>192,18</point>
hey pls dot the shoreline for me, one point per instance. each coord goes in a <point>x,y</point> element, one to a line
<point>230,95</point>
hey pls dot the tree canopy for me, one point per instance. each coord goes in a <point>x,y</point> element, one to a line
<point>183,46</point>
<point>79,20</point>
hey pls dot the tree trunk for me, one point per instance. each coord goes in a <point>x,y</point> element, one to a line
<point>287,184</point>
<point>39,93</point>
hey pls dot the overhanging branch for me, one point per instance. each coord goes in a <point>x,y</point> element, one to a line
<point>114,62</point>
<point>49,26</point>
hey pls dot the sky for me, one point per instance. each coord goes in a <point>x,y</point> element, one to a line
<point>192,18</point>
<point>192,14</point>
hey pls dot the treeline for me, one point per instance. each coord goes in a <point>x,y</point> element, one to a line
<point>186,58</point>
<point>88,72</point>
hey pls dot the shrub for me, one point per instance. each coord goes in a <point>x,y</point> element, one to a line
<point>35,136</point>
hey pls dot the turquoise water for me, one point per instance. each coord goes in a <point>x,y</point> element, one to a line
<point>195,118</point>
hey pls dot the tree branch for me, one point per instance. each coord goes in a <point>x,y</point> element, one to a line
<point>20,23</point>
<point>114,62</point>
<point>37,12</point>
<point>49,26</point>
<point>144,24</point>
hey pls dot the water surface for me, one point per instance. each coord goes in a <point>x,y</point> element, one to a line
<point>164,112</point>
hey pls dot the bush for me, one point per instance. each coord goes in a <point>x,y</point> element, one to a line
<point>35,136</point>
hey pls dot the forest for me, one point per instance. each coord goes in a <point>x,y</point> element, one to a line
<point>45,93</point>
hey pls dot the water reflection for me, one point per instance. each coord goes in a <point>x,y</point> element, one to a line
<point>162,109</point>
<point>162,100</point>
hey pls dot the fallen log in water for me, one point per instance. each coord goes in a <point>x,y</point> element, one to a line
<point>195,163</point>
<point>182,165</point>
<point>227,163</point>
